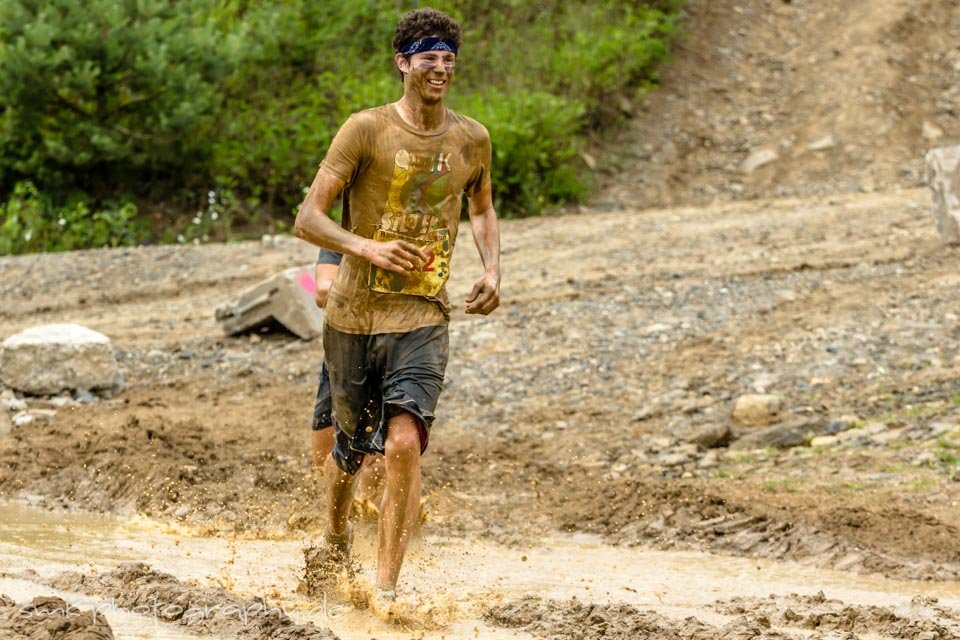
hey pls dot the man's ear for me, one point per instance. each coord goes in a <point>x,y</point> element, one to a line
<point>403,63</point>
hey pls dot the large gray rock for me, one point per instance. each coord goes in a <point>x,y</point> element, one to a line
<point>286,297</point>
<point>943,176</point>
<point>52,358</point>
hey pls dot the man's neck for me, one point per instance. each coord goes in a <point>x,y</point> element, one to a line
<point>425,117</point>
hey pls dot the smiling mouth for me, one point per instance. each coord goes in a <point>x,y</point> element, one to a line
<point>437,83</point>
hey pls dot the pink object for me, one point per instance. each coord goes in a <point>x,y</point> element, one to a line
<point>308,283</point>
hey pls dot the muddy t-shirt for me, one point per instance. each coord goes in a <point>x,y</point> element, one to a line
<point>410,184</point>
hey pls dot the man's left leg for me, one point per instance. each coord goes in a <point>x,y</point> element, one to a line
<point>401,498</point>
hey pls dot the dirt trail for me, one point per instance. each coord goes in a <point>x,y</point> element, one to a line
<point>586,404</point>
<point>847,96</point>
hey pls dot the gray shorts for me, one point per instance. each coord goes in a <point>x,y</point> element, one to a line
<point>376,377</point>
<point>322,408</point>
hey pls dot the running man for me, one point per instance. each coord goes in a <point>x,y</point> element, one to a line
<point>408,165</point>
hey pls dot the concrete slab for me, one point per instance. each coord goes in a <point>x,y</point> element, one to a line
<point>286,297</point>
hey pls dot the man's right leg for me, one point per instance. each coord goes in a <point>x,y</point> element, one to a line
<point>401,498</point>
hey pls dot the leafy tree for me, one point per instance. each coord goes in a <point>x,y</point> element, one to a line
<point>100,95</point>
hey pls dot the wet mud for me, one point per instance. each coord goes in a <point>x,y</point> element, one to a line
<point>138,588</point>
<point>50,618</point>
<point>774,618</point>
<point>891,541</point>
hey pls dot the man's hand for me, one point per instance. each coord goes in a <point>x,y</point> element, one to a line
<point>485,295</point>
<point>395,255</point>
<point>325,274</point>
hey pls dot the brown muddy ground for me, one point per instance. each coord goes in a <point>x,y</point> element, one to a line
<point>762,619</point>
<point>50,618</point>
<point>597,400</point>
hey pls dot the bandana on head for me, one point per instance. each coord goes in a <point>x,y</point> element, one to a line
<point>427,44</point>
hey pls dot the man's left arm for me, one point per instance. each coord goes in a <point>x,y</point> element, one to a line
<point>485,295</point>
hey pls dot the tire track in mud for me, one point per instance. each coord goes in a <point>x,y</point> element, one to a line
<point>893,541</point>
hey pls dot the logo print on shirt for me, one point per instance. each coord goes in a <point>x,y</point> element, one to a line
<point>417,193</point>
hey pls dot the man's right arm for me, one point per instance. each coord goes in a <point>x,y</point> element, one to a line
<point>314,225</point>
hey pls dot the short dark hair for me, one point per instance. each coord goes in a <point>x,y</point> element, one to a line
<point>423,23</point>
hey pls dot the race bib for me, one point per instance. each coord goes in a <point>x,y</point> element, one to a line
<point>428,279</point>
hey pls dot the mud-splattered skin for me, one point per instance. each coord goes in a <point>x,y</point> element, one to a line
<point>430,74</point>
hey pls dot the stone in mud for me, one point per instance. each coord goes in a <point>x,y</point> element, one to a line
<point>759,158</point>
<point>943,176</point>
<point>10,402</point>
<point>286,297</point>
<point>48,359</point>
<point>795,433</point>
<point>709,436</point>
<point>6,425</point>
<point>757,409</point>
<point>51,618</point>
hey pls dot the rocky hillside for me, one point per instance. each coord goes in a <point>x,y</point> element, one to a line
<point>771,98</point>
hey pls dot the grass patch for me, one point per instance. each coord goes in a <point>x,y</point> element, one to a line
<point>949,456</point>
<point>745,457</point>
<point>786,485</point>
<point>922,484</point>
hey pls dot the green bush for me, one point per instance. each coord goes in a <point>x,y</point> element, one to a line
<point>535,145</point>
<point>31,224</point>
<point>587,50</point>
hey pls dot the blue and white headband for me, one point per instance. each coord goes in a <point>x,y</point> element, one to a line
<point>407,49</point>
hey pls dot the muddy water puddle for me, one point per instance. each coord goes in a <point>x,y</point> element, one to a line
<point>460,578</point>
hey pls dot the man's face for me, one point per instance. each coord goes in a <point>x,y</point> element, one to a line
<point>430,73</point>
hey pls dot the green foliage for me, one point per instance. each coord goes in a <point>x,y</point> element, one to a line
<point>103,90</point>
<point>31,224</point>
<point>534,150</point>
<point>167,101</point>
<point>591,51</point>
<point>298,81</point>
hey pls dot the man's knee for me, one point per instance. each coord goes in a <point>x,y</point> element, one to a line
<point>403,435</point>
